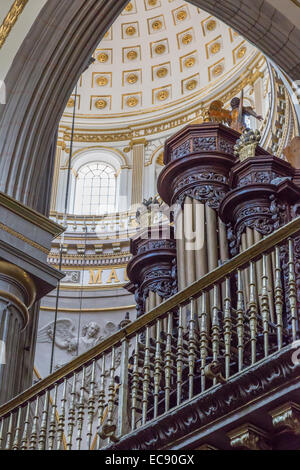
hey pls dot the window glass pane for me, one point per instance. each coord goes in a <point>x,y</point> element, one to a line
<point>95,189</point>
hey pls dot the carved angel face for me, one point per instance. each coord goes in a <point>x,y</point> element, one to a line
<point>91,330</point>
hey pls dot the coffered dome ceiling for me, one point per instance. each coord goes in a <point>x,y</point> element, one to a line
<point>158,57</point>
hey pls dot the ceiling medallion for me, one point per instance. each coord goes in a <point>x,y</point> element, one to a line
<point>157,25</point>
<point>100,104</point>
<point>129,7</point>
<point>132,55</point>
<point>181,15</point>
<point>215,48</point>
<point>160,49</point>
<point>132,102</point>
<point>132,78</point>
<point>162,95</point>
<point>191,84</point>
<point>102,81</point>
<point>187,38</point>
<point>218,70</point>
<point>190,62</point>
<point>71,103</point>
<point>130,30</point>
<point>241,52</point>
<point>211,25</point>
<point>162,72</point>
<point>103,57</point>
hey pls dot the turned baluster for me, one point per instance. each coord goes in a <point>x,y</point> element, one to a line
<point>17,431</point>
<point>292,290</point>
<point>203,339</point>
<point>146,376</point>
<point>44,422</point>
<point>180,355</point>
<point>71,414</point>
<point>252,312</point>
<point>227,327</point>
<point>91,406</point>
<point>52,424</point>
<point>24,440</point>
<point>62,417</point>
<point>278,298</point>
<point>168,362</point>
<point>34,430</point>
<point>265,307</point>
<point>240,320</point>
<point>111,389</point>
<point>81,406</point>
<point>9,433</point>
<point>157,367</point>
<point>192,347</point>
<point>215,328</point>
<point>101,401</point>
<point>123,390</point>
<point>135,382</point>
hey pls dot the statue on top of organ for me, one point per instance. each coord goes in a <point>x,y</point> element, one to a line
<point>234,118</point>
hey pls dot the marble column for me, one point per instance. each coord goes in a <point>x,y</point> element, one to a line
<point>138,156</point>
<point>17,295</point>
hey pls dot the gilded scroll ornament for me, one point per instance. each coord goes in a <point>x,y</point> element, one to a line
<point>11,19</point>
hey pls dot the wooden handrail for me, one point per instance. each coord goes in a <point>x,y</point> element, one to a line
<point>182,297</point>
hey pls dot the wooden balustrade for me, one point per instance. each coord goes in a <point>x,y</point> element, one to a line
<point>197,339</point>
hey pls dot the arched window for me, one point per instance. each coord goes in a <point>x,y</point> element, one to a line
<point>95,192</point>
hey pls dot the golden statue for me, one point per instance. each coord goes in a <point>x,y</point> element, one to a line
<point>234,118</point>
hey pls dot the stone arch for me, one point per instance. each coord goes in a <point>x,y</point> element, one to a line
<point>56,51</point>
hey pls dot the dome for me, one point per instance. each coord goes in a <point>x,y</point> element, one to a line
<point>159,56</point>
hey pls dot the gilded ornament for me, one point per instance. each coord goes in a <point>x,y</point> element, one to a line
<point>160,49</point>
<point>211,25</point>
<point>132,102</point>
<point>102,81</point>
<point>132,55</point>
<point>102,57</point>
<point>129,7</point>
<point>191,85</point>
<point>241,52</point>
<point>187,38</point>
<point>100,104</point>
<point>11,19</point>
<point>71,103</point>
<point>130,30</point>
<point>218,70</point>
<point>190,62</point>
<point>181,15</point>
<point>162,95</point>
<point>162,72</point>
<point>215,48</point>
<point>152,3</point>
<point>157,24</point>
<point>160,159</point>
<point>132,78</point>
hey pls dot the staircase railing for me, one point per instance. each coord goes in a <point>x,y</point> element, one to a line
<point>243,311</point>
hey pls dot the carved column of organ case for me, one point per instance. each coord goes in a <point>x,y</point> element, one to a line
<point>198,161</point>
<point>152,269</point>
<point>262,198</point>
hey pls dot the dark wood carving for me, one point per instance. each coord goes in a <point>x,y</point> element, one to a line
<point>153,265</point>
